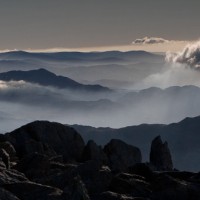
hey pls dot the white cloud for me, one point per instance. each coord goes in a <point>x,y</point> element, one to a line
<point>180,69</point>
<point>150,40</point>
<point>11,84</point>
<point>190,56</point>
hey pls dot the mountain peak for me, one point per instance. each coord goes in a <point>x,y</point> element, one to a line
<point>44,77</point>
<point>41,71</point>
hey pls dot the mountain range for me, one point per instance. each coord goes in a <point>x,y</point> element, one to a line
<point>46,78</point>
<point>183,139</point>
<point>83,56</point>
<point>88,67</point>
<point>68,100</point>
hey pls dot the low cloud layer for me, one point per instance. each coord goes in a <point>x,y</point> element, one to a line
<point>190,56</point>
<point>11,84</point>
<point>150,40</point>
<point>180,69</point>
<point>21,102</point>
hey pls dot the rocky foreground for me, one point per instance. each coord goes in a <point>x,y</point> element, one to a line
<point>50,161</point>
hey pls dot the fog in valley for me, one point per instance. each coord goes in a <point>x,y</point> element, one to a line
<point>106,89</point>
<point>144,88</point>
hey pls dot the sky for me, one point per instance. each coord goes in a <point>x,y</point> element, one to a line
<point>78,24</point>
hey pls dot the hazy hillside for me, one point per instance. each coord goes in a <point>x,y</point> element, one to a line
<point>89,66</point>
<point>108,109</point>
<point>46,78</point>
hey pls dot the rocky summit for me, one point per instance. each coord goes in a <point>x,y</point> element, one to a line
<point>160,156</point>
<point>50,161</point>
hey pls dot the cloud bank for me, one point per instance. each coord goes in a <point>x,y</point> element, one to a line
<point>182,68</point>
<point>150,40</point>
<point>190,56</point>
<point>11,84</point>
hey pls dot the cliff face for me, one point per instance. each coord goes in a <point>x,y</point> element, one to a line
<point>45,160</point>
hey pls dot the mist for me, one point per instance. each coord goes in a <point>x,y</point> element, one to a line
<point>180,69</point>
<point>112,69</point>
<point>133,100</point>
<point>142,88</point>
<point>22,102</point>
<point>174,75</point>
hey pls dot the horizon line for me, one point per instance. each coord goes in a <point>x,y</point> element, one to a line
<point>172,46</point>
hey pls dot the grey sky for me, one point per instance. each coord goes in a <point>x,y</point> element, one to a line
<point>84,23</point>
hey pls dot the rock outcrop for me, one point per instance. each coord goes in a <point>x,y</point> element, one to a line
<point>131,185</point>
<point>9,148</point>
<point>94,152</point>
<point>121,155</point>
<point>48,139</point>
<point>160,156</point>
<point>6,195</point>
<point>43,172</point>
<point>5,158</point>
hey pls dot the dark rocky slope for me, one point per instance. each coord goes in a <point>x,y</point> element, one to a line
<point>183,138</point>
<point>49,161</point>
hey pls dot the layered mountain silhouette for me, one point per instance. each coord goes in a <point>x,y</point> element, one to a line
<point>113,109</point>
<point>111,73</point>
<point>46,160</point>
<point>183,139</point>
<point>81,56</point>
<point>46,78</point>
<point>131,66</point>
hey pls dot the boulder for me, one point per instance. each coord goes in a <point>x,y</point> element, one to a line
<point>121,155</point>
<point>11,176</point>
<point>57,159</point>
<point>160,156</point>
<point>9,148</point>
<point>47,138</point>
<point>2,164</point>
<point>59,176</point>
<point>142,169</point>
<point>94,152</point>
<point>131,185</point>
<point>96,178</point>
<point>166,187</point>
<point>5,158</point>
<point>34,166</point>
<point>40,169</point>
<point>76,190</point>
<point>33,191</point>
<point>5,195</point>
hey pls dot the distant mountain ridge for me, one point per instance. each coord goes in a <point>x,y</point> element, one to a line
<point>47,78</point>
<point>67,56</point>
<point>91,66</point>
<point>183,139</point>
